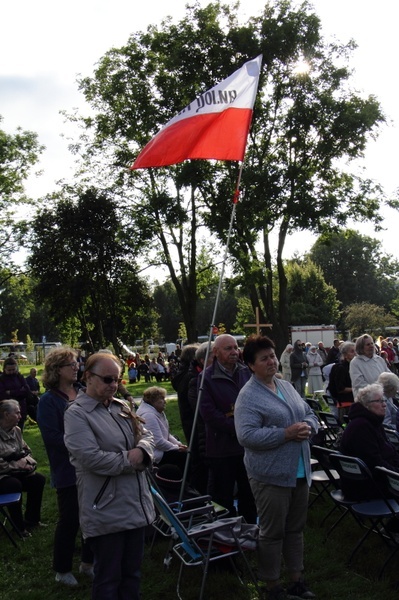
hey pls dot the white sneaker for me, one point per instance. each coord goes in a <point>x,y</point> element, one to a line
<point>86,569</point>
<point>66,579</point>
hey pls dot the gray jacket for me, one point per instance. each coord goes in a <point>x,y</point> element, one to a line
<point>113,496</point>
<point>261,417</point>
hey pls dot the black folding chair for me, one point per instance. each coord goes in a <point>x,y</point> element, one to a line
<point>372,514</point>
<point>392,436</point>
<point>322,479</point>
<point>390,481</point>
<point>333,426</point>
<point>340,503</point>
<point>6,523</point>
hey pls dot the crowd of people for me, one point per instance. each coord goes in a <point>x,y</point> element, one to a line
<point>247,440</point>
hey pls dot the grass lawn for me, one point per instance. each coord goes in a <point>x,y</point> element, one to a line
<point>26,573</point>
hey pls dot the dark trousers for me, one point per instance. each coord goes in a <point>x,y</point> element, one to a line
<point>174,457</point>
<point>117,560</point>
<point>66,531</point>
<point>228,473</point>
<point>33,486</point>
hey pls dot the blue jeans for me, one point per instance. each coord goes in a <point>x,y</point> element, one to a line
<point>117,561</point>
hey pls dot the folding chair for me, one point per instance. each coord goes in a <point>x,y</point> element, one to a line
<point>333,426</point>
<point>322,455</point>
<point>201,545</point>
<point>392,436</point>
<point>191,511</point>
<point>323,478</point>
<point>5,501</point>
<point>315,405</point>
<point>390,480</point>
<point>372,514</point>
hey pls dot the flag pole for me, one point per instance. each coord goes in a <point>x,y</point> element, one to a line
<point>208,350</point>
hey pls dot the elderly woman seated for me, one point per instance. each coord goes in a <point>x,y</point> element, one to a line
<point>390,384</point>
<point>168,449</point>
<point>17,469</point>
<point>365,438</point>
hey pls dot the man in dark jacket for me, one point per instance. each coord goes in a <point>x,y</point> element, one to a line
<point>222,382</point>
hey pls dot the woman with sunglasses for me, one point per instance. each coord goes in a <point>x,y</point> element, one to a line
<point>60,379</point>
<point>110,450</point>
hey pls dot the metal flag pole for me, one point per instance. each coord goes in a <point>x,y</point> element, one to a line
<point>208,350</point>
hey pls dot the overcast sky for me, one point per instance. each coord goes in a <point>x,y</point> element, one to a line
<point>44,45</point>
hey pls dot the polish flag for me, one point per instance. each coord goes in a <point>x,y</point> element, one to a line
<point>214,126</point>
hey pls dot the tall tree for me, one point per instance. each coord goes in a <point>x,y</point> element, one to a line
<point>81,259</point>
<point>19,153</point>
<point>364,317</point>
<point>305,126</point>
<point>357,266</point>
<point>311,301</point>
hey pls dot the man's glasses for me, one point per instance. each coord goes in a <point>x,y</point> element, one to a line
<point>107,379</point>
<point>73,365</point>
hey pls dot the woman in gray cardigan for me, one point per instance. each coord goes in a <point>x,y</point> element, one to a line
<point>274,425</point>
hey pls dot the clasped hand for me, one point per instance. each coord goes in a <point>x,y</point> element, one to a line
<point>298,432</point>
<point>23,464</point>
<point>136,459</point>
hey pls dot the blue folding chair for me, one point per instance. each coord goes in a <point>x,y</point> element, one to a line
<point>5,501</point>
<point>203,544</point>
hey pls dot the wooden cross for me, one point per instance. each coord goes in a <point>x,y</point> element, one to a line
<point>257,324</point>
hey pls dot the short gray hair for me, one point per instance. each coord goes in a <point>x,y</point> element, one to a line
<point>389,381</point>
<point>200,353</point>
<point>345,347</point>
<point>366,394</point>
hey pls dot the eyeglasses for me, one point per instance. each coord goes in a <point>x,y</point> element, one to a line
<point>380,401</point>
<point>107,379</point>
<point>72,364</point>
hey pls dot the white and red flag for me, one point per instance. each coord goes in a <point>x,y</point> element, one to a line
<point>214,126</point>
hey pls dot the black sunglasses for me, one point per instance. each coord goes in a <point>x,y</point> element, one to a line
<point>107,379</point>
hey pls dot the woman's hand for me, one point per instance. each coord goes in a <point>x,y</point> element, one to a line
<point>136,459</point>
<point>23,464</point>
<point>298,432</point>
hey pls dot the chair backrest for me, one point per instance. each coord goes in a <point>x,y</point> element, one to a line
<point>322,455</point>
<point>330,420</point>
<point>391,479</point>
<point>351,467</point>
<point>329,400</point>
<point>314,404</point>
<point>170,518</point>
<point>392,436</point>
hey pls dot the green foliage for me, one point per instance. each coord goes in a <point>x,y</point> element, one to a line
<point>304,128</point>
<point>19,152</point>
<point>182,331</point>
<point>29,344</point>
<point>364,317</point>
<point>245,314</point>
<point>311,301</point>
<point>90,274</point>
<point>357,266</point>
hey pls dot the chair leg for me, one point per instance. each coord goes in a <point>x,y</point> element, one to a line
<point>3,524</point>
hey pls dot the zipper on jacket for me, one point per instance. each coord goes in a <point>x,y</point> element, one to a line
<point>101,492</point>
